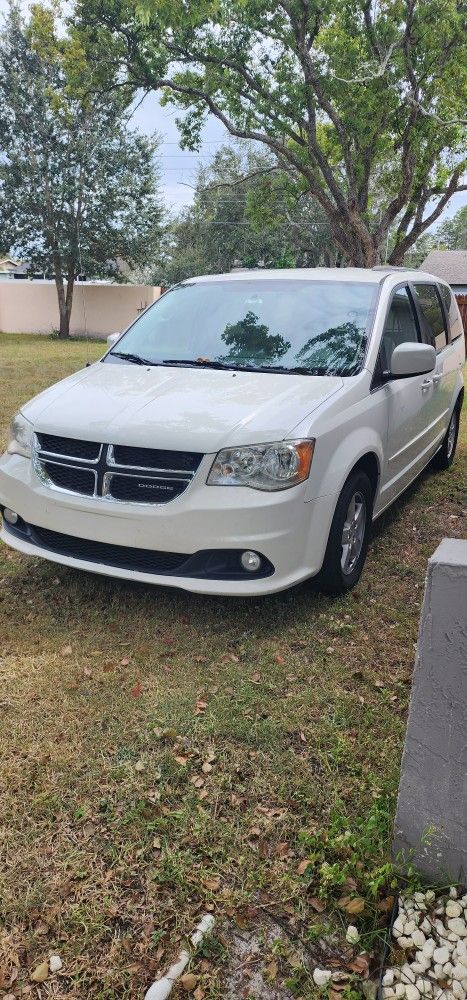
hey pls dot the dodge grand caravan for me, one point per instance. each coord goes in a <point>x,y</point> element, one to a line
<point>243,433</point>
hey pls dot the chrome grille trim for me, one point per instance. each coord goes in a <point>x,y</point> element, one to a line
<point>104,468</point>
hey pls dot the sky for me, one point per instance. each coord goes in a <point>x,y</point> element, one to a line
<point>178,166</point>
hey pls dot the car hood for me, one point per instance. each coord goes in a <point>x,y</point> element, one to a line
<point>177,408</point>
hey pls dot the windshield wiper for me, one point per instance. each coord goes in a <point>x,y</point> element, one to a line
<point>134,358</point>
<point>197,363</point>
<point>298,370</point>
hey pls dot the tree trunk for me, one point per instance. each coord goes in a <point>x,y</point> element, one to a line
<point>65,299</point>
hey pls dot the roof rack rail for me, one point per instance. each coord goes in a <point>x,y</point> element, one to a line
<point>390,267</point>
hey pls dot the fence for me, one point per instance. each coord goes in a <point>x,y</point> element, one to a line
<point>462,303</point>
<point>98,309</point>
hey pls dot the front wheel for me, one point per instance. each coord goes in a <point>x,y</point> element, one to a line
<point>445,456</point>
<point>349,536</point>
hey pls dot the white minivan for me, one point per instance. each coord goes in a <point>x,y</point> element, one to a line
<point>244,432</point>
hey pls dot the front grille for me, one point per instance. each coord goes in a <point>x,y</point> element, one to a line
<point>133,489</point>
<point>70,447</point>
<point>68,477</point>
<point>113,472</point>
<point>154,458</point>
<point>121,556</point>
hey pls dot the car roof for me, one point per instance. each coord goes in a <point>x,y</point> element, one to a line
<point>351,274</point>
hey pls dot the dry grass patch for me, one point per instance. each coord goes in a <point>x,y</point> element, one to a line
<point>163,753</point>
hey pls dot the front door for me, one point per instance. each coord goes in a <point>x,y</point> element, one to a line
<point>409,403</point>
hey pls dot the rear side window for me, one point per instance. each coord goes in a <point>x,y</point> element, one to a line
<point>433,327</point>
<point>400,326</point>
<point>450,306</point>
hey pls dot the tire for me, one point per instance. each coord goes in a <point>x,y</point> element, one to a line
<point>343,565</point>
<point>445,456</point>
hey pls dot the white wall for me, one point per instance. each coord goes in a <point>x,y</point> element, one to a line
<point>32,307</point>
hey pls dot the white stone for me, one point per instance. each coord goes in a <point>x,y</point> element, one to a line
<point>405,942</point>
<point>430,896</point>
<point>457,926</point>
<point>458,990</point>
<point>453,892</point>
<point>418,968</point>
<point>352,935</point>
<point>458,972</point>
<point>447,969</point>
<point>438,970</point>
<point>418,938</point>
<point>425,926</point>
<point>453,909</point>
<point>419,897</point>
<point>398,927</point>
<point>388,978</point>
<point>55,963</point>
<point>407,975</point>
<point>423,986</point>
<point>321,977</point>
<point>388,992</point>
<point>429,947</point>
<point>409,927</point>
<point>462,959</point>
<point>400,990</point>
<point>441,955</point>
<point>422,959</point>
<point>411,992</point>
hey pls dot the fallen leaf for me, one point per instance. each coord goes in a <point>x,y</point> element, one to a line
<point>272,969</point>
<point>303,866</point>
<point>206,768</point>
<point>317,904</point>
<point>199,993</point>
<point>66,651</point>
<point>40,973</point>
<point>181,760</point>
<point>125,661</point>
<point>137,690</point>
<point>197,781</point>
<point>355,906</point>
<point>157,844</point>
<point>189,981</point>
<point>139,766</point>
<point>360,965</point>
<point>213,884</point>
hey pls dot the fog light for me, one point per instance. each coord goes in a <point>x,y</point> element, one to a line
<point>250,561</point>
<point>10,516</point>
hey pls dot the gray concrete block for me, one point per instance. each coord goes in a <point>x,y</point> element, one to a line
<point>433,784</point>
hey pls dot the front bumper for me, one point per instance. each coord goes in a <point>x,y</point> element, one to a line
<point>288,531</point>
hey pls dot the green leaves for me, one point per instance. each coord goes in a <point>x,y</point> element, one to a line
<point>361,102</point>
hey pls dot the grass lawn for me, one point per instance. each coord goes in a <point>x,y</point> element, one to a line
<point>163,754</point>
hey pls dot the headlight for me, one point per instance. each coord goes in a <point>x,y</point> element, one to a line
<point>20,436</point>
<point>269,467</point>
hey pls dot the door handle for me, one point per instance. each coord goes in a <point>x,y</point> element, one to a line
<point>426,384</point>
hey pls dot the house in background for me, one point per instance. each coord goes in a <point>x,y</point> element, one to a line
<point>451,265</point>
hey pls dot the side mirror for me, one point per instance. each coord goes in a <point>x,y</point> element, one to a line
<point>112,339</point>
<point>412,359</point>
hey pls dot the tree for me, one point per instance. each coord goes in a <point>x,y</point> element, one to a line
<point>78,188</point>
<point>245,210</point>
<point>450,235</point>
<point>363,101</point>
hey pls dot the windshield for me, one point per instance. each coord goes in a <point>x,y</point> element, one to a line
<point>315,327</point>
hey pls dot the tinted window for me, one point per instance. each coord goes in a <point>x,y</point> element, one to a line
<point>451,308</point>
<point>433,328</point>
<point>400,326</point>
<point>321,326</point>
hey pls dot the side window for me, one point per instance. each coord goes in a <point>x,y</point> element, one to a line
<point>450,306</point>
<point>433,327</point>
<point>400,326</point>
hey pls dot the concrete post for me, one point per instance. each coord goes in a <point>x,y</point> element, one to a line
<point>433,785</point>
